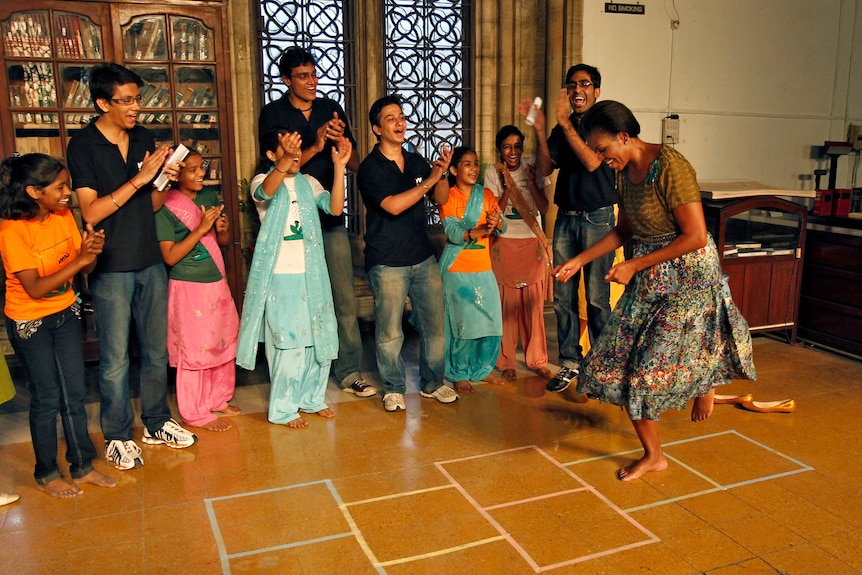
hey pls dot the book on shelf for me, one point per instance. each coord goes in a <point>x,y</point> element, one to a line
<point>747,253</point>
<point>731,189</point>
<point>729,251</point>
<point>747,245</point>
<point>783,251</point>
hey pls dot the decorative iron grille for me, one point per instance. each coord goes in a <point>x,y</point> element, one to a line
<point>323,27</point>
<point>427,54</point>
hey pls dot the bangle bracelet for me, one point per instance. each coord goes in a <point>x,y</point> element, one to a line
<point>274,167</point>
<point>133,185</point>
<point>469,236</point>
<point>113,199</point>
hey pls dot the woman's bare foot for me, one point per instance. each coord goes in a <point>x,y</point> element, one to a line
<point>231,410</point>
<point>643,465</point>
<point>60,488</point>
<point>328,413</point>
<point>509,374</point>
<point>96,478</point>
<point>543,372</point>
<point>464,387</point>
<point>216,425</point>
<point>702,407</point>
<point>493,380</point>
<point>297,423</point>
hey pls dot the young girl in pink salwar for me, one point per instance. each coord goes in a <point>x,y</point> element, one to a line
<point>202,318</point>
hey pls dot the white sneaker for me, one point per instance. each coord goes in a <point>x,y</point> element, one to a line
<point>123,455</point>
<point>172,435</point>
<point>394,402</point>
<point>443,394</point>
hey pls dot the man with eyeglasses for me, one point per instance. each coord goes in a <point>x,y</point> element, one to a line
<point>113,162</point>
<point>585,198</point>
<point>321,122</point>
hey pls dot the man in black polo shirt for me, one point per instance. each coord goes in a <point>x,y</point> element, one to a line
<point>321,122</point>
<point>585,196</point>
<point>112,162</point>
<point>399,256</point>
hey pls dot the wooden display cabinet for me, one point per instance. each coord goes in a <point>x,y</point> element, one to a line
<point>179,49</point>
<point>761,244</point>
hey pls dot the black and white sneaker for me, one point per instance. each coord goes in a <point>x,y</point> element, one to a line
<point>360,388</point>
<point>172,435</point>
<point>562,380</point>
<point>123,455</point>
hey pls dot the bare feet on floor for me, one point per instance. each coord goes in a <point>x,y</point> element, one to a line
<point>493,380</point>
<point>96,478</point>
<point>643,465</point>
<point>328,413</point>
<point>231,410</point>
<point>509,374</point>
<point>297,423</point>
<point>464,387</point>
<point>702,407</point>
<point>216,425</point>
<point>543,372</point>
<point>60,488</point>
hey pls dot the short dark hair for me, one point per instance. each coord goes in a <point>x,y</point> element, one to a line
<point>105,78</point>
<point>16,173</point>
<point>377,107</point>
<point>293,58</point>
<point>594,73</point>
<point>505,132</point>
<point>610,117</point>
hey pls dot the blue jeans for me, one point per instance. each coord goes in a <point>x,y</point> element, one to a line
<point>53,359</point>
<point>339,263</point>
<point>572,235</point>
<point>117,298</point>
<point>390,287</point>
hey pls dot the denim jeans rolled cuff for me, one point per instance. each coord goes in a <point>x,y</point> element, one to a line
<point>81,470</point>
<point>45,479</point>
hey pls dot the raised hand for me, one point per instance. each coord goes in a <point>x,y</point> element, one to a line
<point>335,128</point>
<point>291,144</point>
<point>341,152</point>
<point>539,122</point>
<point>441,165</point>
<point>564,108</point>
<point>154,161</point>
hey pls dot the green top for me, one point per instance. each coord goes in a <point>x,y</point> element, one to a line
<point>197,265</point>
<point>648,205</point>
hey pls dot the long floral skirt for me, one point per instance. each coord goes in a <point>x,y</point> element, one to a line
<point>674,335</point>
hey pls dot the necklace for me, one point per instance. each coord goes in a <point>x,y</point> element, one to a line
<point>652,173</point>
<point>305,109</point>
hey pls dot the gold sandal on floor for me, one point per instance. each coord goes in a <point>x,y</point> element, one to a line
<point>737,399</point>
<point>780,406</point>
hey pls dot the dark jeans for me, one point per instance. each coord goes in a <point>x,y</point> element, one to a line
<point>53,359</point>
<point>572,235</point>
<point>339,263</point>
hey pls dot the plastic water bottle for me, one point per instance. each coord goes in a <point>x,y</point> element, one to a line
<point>531,114</point>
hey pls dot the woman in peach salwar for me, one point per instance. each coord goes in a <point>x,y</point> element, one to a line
<point>202,318</point>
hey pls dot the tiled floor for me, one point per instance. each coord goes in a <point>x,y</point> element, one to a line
<point>511,480</point>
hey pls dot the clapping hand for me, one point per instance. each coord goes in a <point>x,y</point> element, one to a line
<point>341,152</point>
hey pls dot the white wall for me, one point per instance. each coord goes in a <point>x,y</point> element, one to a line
<point>756,83</point>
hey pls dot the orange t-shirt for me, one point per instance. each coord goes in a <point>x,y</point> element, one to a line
<point>46,247</point>
<point>476,255</point>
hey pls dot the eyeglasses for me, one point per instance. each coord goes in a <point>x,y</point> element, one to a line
<point>582,83</point>
<point>128,100</point>
<point>303,76</point>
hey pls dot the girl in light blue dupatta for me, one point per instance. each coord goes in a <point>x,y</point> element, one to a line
<point>288,301</point>
<point>473,316</point>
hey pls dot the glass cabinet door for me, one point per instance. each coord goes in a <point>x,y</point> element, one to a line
<point>174,55</point>
<point>46,76</point>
